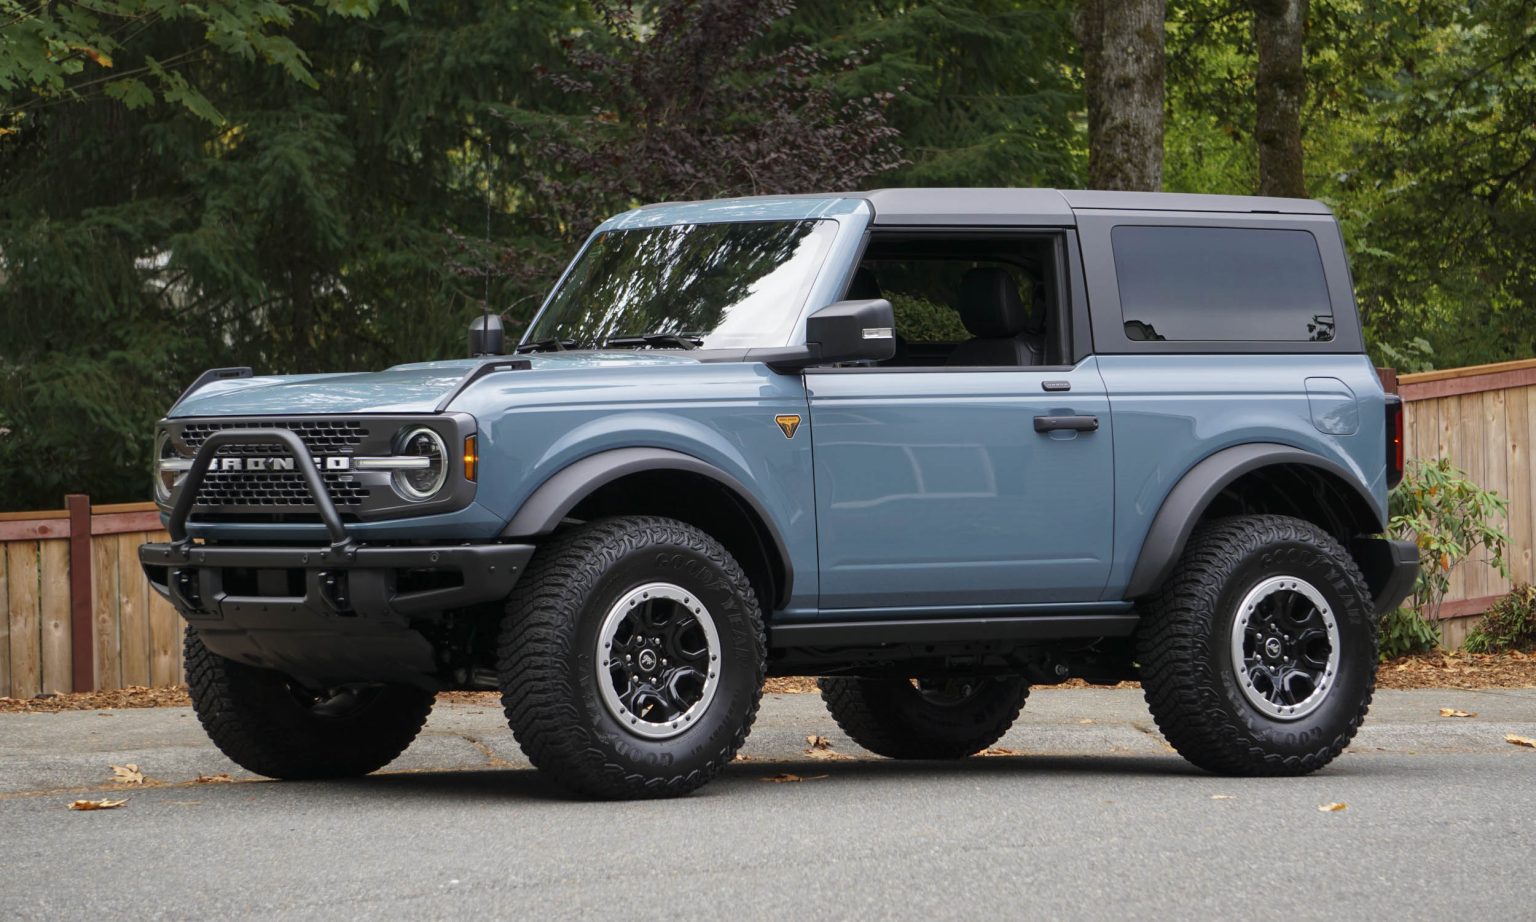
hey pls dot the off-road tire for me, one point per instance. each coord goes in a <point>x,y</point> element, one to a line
<point>1183,647</point>
<point>256,717</point>
<point>548,658</point>
<point>892,718</point>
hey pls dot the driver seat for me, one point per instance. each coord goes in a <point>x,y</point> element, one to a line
<point>1007,328</point>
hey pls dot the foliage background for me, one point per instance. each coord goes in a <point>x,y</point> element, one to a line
<point>341,184</point>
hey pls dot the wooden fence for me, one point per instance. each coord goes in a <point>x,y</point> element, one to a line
<point>1483,419</point>
<point>76,612</point>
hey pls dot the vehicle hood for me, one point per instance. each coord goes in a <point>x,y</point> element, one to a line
<point>415,388</point>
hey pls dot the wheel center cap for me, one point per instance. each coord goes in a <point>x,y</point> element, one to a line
<point>1272,648</point>
<point>647,660</point>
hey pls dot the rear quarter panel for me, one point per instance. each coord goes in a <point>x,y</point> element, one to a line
<point>1172,411</point>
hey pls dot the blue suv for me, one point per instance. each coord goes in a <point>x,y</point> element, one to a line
<point>933,446</point>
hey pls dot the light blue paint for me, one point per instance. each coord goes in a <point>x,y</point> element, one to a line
<point>933,488</point>
<point>1173,411</point>
<point>1334,408</point>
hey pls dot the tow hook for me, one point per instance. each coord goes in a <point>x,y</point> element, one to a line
<point>334,591</point>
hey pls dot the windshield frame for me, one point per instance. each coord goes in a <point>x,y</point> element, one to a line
<point>851,216</point>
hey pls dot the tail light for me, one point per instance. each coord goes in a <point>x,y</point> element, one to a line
<point>1395,457</point>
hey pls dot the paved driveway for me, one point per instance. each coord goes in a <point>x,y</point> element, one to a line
<point>1095,819</point>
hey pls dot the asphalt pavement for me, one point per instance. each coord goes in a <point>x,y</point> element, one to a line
<point>1089,816</point>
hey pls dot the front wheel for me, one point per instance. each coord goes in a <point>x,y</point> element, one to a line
<point>632,658</point>
<point>1258,656</point>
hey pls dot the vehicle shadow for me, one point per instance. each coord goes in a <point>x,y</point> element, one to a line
<point>526,784</point>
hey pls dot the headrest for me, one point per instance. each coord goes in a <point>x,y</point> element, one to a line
<point>865,286</point>
<point>991,306</point>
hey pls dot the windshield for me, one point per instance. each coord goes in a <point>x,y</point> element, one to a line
<point>719,286</point>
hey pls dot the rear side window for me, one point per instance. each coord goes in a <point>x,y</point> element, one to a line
<point>1221,284</point>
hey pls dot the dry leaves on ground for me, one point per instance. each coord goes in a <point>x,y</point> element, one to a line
<point>96,804</point>
<point>1519,740</point>
<point>127,774</point>
<point>1453,712</point>
<point>220,778</point>
<point>1459,670</point>
<point>134,696</point>
<point>995,751</point>
<point>1332,808</point>
<point>792,778</point>
<point>818,742</point>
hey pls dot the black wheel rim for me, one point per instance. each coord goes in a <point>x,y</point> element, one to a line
<point>658,660</point>
<point>1285,647</point>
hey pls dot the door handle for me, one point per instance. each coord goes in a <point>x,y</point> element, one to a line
<point>1074,423</point>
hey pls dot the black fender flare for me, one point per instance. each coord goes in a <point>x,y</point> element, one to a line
<point>543,511</point>
<point>1201,484</point>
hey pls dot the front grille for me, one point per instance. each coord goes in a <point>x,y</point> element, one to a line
<point>324,437</point>
<point>235,488</point>
<point>285,489</point>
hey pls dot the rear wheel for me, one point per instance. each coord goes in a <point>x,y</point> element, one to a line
<point>924,719</point>
<point>632,658</point>
<point>1258,656</point>
<point>268,723</point>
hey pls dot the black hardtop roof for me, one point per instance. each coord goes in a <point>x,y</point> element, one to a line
<point>1056,206</point>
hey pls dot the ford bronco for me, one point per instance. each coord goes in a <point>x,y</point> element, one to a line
<point>933,446</point>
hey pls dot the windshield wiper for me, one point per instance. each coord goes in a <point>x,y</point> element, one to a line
<point>684,340</point>
<point>553,344</point>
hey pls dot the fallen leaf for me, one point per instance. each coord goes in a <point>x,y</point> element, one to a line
<point>213,779</point>
<point>1519,740</point>
<point>790,777</point>
<point>1453,712</point>
<point>1086,720</point>
<point>1331,808</point>
<point>828,755</point>
<point>998,751</point>
<point>818,742</point>
<point>127,774</point>
<point>96,804</point>
<point>1223,797</point>
<point>742,758</point>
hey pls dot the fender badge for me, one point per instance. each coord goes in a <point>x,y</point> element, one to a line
<point>788,422</point>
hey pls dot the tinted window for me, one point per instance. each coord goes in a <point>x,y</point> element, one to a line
<point>1221,284</point>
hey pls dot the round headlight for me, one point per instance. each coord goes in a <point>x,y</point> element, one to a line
<point>422,482</point>
<point>165,480</point>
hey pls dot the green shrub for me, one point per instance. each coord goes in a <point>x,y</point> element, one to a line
<point>1450,518</point>
<point>1509,625</point>
<point>920,320</point>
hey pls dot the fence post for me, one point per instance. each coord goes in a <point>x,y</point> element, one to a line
<point>82,644</point>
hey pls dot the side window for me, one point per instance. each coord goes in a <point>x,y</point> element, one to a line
<point>964,302</point>
<point>1221,284</point>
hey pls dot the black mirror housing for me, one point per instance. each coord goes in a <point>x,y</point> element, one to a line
<point>847,331</point>
<point>487,336</point>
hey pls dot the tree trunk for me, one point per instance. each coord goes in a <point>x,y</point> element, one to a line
<point>1280,88</point>
<point>1122,42</point>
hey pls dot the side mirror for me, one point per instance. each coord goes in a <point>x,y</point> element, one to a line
<point>848,331</point>
<point>487,336</point>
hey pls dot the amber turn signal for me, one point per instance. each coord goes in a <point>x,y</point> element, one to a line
<point>471,458</point>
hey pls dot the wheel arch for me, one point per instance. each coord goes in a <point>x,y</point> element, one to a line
<point>654,481</point>
<point>1257,477</point>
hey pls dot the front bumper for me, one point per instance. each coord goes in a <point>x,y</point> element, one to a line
<point>341,612</point>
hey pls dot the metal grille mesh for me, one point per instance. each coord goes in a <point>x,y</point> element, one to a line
<point>266,490</point>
